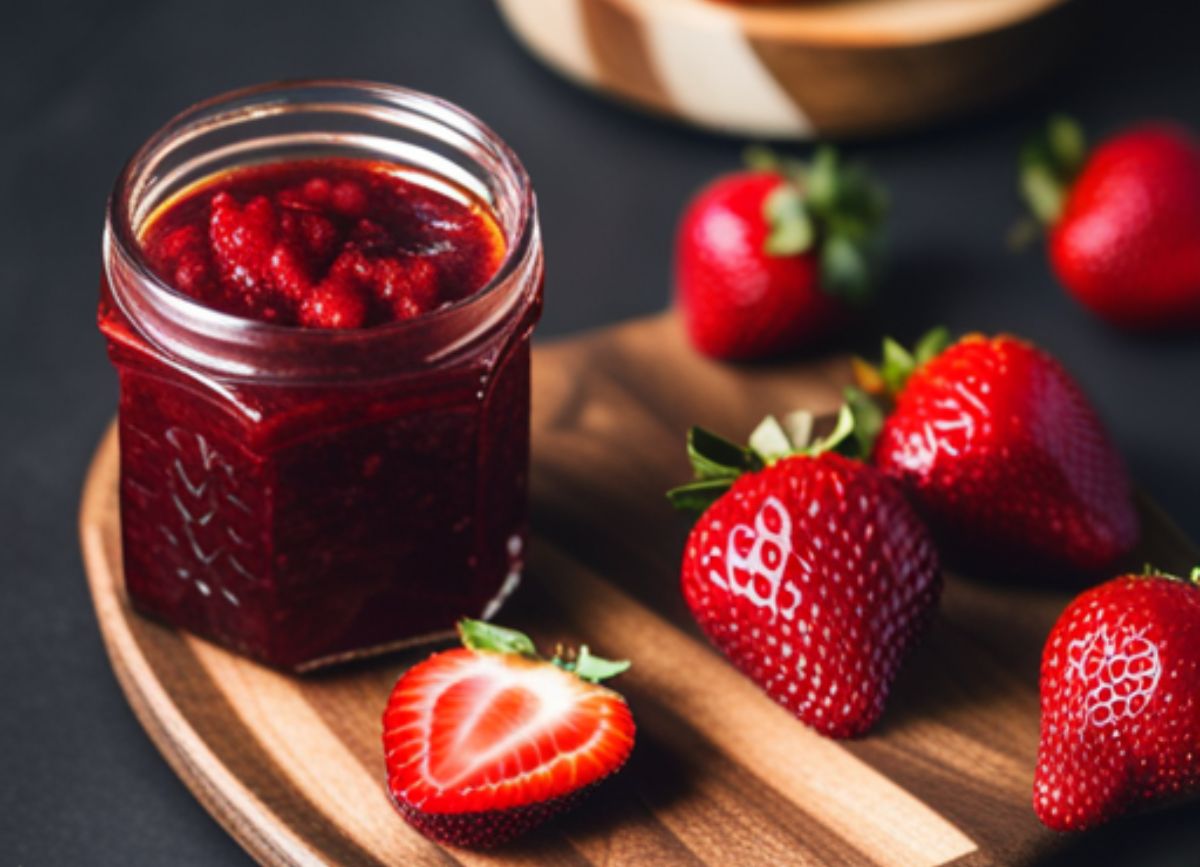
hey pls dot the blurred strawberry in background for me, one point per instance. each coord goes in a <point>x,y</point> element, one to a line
<point>1123,221</point>
<point>777,256</point>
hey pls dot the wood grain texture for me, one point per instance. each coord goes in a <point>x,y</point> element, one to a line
<point>819,68</point>
<point>293,768</point>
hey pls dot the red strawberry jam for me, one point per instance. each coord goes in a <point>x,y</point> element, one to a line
<point>323,244</point>
<point>317,495</point>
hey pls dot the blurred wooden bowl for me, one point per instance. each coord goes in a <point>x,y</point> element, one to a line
<point>816,68</point>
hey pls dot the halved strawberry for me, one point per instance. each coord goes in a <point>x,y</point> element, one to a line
<point>486,741</point>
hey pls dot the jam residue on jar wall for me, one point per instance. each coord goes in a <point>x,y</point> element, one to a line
<point>332,243</point>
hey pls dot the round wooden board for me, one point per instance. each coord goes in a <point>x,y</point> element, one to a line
<point>818,68</point>
<point>293,768</point>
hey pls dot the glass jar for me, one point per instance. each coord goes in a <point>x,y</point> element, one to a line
<point>302,495</point>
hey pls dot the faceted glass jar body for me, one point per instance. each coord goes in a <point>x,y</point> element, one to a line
<point>305,496</point>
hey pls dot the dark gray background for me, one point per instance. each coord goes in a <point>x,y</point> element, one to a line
<point>83,85</point>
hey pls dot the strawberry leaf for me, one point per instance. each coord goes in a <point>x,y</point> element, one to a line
<point>760,158</point>
<point>931,344</point>
<point>798,425</point>
<point>868,422</point>
<point>824,182</point>
<point>1193,577</point>
<point>1042,192</point>
<point>595,668</point>
<point>845,269</point>
<point>714,457</point>
<point>898,365</point>
<point>770,441</point>
<point>698,496</point>
<point>1066,142</point>
<point>479,635</point>
<point>487,637</point>
<point>843,427</point>
<point>718,463</point>
<point>867,376</point>
<point>877,385</point>
<point>829,206</point>
<point>791,228</point>
<point>1049,162</point>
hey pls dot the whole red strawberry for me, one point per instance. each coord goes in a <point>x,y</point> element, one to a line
<point>1124,221</point>
<point>485,742</point>
<point>1002,450</point>
<point>1120,701</point>
<point>777,256</point>
<point>810,572</point>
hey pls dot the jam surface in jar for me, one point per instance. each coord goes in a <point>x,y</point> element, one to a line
<point>301,521</point>
<point>333,243</point>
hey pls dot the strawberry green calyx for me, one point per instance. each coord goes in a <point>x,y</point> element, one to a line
<point>888,378</point>
<point>479,635</point>
<point>832,208</point>
<point>1192,578</point>
<point>868,415</point>
<point>878,384</point>
<point>717,463</point>
<point>1049,163</point>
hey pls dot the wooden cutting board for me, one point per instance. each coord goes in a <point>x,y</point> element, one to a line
<point>799,69</point>
<point>293,767</point>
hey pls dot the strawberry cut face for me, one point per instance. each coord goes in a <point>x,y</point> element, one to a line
<point>470,732</point>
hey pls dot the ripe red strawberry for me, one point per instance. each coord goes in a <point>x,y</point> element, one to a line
<point>1005,455</point>
<point>769,259</point>
<point>1124,221</point>
<point>485,742</point>
<point>810,572</point>
<point>1120,701</point>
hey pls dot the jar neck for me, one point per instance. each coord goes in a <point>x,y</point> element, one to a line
<point>328,119</point>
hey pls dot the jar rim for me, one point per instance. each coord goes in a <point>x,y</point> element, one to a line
<point>248,102</point>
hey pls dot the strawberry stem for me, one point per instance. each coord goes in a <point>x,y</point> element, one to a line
<point>481,636</point>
